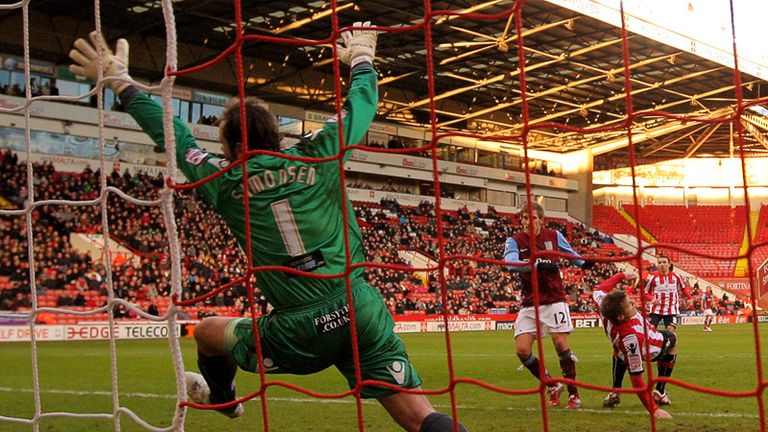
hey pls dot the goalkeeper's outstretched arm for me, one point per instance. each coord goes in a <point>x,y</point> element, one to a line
<point>358,50</point>
<point>94,59</point>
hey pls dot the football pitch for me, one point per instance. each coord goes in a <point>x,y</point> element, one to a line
<point>75,377</point>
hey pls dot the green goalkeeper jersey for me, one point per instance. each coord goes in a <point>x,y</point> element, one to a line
<point>296,207</point>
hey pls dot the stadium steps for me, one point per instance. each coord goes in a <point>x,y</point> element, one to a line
<point>760,254</point>
<point>645,233</point>
<point>417,259</point>
<point>742,264</point>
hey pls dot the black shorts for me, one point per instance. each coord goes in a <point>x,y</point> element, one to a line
<point>668,320</point>
<point>670,340</point>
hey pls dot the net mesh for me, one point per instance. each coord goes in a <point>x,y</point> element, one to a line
<point>166,204</point>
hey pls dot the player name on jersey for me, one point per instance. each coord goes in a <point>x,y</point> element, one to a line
<point>269,179</point>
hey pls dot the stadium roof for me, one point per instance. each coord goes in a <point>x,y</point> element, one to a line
<point>574,68</point>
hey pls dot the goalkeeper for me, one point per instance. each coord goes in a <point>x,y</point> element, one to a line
<point>296,220</point>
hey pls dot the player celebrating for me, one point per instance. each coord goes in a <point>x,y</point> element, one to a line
<point>665,287</point>
<point>309,329</point>
<point>627,330</point>
<point>553,311</point>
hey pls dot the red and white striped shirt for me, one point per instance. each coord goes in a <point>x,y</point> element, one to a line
<point>666,289</point>
<point>628,338</point>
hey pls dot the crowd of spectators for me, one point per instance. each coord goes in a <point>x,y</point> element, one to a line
<point>724,305</point>
<point>387,186</point>
<point>209,253</point>
<point>472,240</point>
<point>15,89</point>
<point>210,120</point>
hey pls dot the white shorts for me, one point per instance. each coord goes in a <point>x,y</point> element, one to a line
<point>708,312</point>
<point>555,318</point>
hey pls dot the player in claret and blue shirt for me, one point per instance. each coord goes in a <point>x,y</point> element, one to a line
<point>633,336</point>
<point>554,313</point>
<point>297,221</point>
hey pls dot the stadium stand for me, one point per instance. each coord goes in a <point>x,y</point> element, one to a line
<point>607,219</point>
<point>75,281</point>
<point>713,230</point>
<point>761,235</point>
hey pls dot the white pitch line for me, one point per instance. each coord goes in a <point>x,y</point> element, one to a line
<point>372,402</point>
<point>606,355</point>
<point>90,393</point>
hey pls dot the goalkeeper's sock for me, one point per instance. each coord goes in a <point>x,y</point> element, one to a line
<point>619,369</point>
<point>532,364</point>
<point>219,372</point>
<point>665,365</point>
<point>568,365</point>
<point>439,422</point>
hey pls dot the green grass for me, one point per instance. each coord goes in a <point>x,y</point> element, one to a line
<point>75,377</point>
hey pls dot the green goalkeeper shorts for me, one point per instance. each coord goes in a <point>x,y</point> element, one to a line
<point>310,338</point>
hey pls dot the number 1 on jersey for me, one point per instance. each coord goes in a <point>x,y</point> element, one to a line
<point>289,231</point>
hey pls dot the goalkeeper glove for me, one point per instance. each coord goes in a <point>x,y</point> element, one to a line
<point>86,57</point>
<point>588,265</point>
<point>359,45</point>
